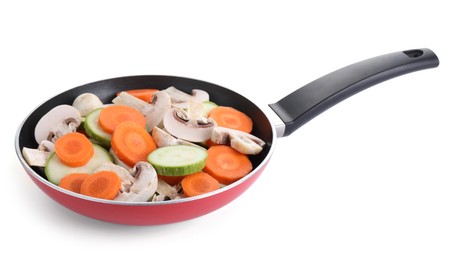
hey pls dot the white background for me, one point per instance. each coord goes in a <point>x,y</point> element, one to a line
<point>370,178</point>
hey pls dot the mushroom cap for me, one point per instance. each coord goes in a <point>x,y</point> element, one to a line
<point>180,99</point>
<point>57,116</point>
<point>87,102</point>
<point>188,130</point>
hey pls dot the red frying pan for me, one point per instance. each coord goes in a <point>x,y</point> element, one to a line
<point>291,112</point>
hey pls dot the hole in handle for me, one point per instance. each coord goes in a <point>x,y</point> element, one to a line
<point>413,53</point>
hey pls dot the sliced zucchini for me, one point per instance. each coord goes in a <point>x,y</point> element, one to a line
<point>207,107</point>
<point>178,160</point>
<point>55,169</point>
<point>95,131</point>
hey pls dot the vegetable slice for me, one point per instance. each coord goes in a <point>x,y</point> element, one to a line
<point>73,181</point>
<point>208,106</point>
<point>55,170</point>
<point>178,160</point>
<point>171,180</point>
<point>231,118</point>
<point>74,149</point>
<point>145,94</point>
<point>102,185</point>
<point>110,117</point>
<point>226,164</point>
<point>198,183</point>
<point>132,143</point>
<point>94,130</point>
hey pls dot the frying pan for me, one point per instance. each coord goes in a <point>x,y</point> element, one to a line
<point>289,114</point>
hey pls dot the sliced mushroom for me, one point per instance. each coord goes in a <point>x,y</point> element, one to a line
<point>127,99</point>
<point>238,140</point>
<point>161,104</point>
<point>163,138</point>
<point>181,99</point>
<point>153,112</point>
<point>177,123</point>
<point>39,156</point>
<point>164,191</point>
<point>59,121</point>
<point>46,146</point>
<point>144,185</point>
<point>86,103</point>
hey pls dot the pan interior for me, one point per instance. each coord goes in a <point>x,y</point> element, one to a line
<point>107,89</point>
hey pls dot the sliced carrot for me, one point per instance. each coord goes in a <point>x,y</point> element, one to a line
<point>171,180</point>
<point>132,143</point>
<point>208,143</point>
<point>111,116</point>
<point>74,149</point>
<point>102,185</point>
<point>231,118</point>
<point>73,181</point>
<point>226,164</point>
<point>145,94</point>
<point>198,183</point>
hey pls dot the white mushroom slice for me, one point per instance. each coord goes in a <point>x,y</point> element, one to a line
<point>144,185</point>
<point>161,104</point>
<point>200,95</point>
<point>163,138</point>
<point>46,146</point>
<point>35,157</point>
<point>127,99</point>
<point>195,109</point>
<point>86,103</point>
<point>241,141</point>
<point>167,190</point>
<point>181,99</point>
<point>126,178</point>
<point>153,112</point>
<point>158,197</point>
<point>59,121</point>
<point>177,123</point>
<point>38,157</point>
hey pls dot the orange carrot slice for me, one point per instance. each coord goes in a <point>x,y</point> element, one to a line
<point>102,185</point>
<point>198,183</point>
<point>231,118</point>
<point>226,164</point>
<point>111,116</point>
<point>132,143</point>
<point>171,180</point>
<point>74,149</point>
<point>143,94</point>
<point>73,181</point>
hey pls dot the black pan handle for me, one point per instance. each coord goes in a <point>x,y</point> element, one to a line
<point>316,97</point>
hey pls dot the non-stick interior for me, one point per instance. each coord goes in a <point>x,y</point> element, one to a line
<point>106,90</point>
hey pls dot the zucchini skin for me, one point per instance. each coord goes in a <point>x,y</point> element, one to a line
<point>55,169</point>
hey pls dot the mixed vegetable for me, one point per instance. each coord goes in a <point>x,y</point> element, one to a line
<point>147,145</point>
